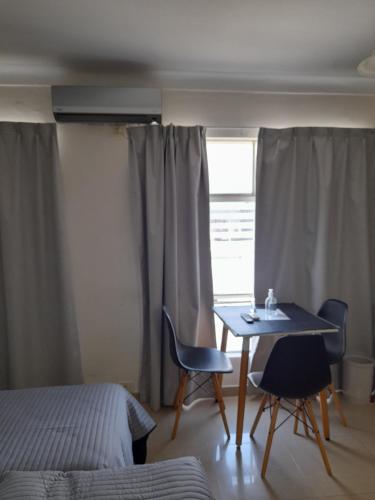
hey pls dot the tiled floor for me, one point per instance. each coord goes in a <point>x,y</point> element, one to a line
<point>295,469</point>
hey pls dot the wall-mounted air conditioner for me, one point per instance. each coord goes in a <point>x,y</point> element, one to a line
<point>106,104</point>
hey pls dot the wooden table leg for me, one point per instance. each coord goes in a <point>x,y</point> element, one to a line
<point>324,413</point>
<point>223,348</point>
<point>224,339</point>
<point>242,389</point>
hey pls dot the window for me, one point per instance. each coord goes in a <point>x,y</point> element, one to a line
<point>231,164</point>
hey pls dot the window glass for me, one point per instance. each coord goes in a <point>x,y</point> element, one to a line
<point>231,164</point>
<point>232,226</point>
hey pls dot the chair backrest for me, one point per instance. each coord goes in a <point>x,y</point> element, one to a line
<point>336,312</point>
<point>297,367</point>
<point>174,344</point>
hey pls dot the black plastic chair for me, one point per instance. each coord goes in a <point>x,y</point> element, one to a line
<point>194,360</point>
<point>297,369</point>
<point>336,312</point>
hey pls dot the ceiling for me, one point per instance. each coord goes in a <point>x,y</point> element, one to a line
<point>250,45</point>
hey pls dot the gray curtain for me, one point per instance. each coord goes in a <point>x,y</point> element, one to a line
<point>315,224</point>
<point>38,336</point>
<point>168,167</point>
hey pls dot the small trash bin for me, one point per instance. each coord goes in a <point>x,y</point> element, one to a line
<point>358,378</point>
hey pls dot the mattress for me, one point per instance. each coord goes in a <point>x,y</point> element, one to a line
<point>179,479</point>
<point>82,427</point>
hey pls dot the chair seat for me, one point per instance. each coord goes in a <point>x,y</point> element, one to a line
<point>255,378</point>
<point>204,359</point>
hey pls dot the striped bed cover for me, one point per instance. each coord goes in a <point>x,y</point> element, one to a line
<point>179,479</point>
<point>82,427</point>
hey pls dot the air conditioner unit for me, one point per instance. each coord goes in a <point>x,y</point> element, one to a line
<point>106,104</point>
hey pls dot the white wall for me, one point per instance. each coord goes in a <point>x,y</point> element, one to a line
<point>239,109</point>
<point>105,281</point>
<point>25,104</point>
<point>104,265</point>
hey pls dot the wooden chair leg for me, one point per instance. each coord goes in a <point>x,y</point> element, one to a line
<point>324,413</point>
<point>296,417</point>
<point>337,403</point>
<point>180,400</point>
<point>305,426</point>
<point>219,398</point>
<point>271,432</point>
<point>262,404</point>
<point>323,452</point>
<point>177,397</point>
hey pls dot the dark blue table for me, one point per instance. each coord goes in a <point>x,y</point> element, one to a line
<point>300,322</point>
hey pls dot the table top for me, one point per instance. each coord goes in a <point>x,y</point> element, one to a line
<point>300,321</point>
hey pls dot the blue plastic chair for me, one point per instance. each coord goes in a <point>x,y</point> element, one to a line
<point>297,369</point>
<point>192,360</point>
<point>336,312</point>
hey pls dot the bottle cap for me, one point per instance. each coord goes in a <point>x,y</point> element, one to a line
<point>270,290</point>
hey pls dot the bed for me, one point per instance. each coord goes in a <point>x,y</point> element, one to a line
<point>83,427</point>
<point>178,479</point>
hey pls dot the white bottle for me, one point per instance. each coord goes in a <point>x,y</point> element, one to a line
<point>270,304</point>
